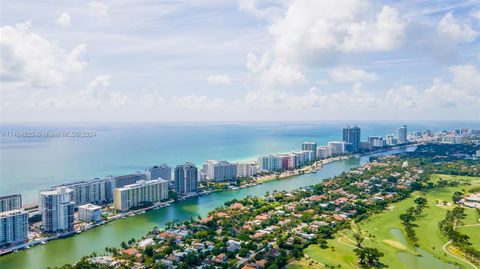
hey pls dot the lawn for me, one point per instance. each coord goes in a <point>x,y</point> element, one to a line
<point>385,232</point>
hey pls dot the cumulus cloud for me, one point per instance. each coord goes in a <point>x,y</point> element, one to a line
<point>314,33</point>
<point>314,98</point>
<point>318,29</point>
<point>96,88</point>
<point>270,73</point>
<point>449,28</point>
<point>195,102</point>
<point>219,79</point>
<point>462,92</point>
<point>94,96</point>
<point>403,97</point>
<point>64,20</point>
<point>476,14</point>
<point>270,12</point>
<point>97,9</point>
<point>29,58</point>
<point>350,74</point>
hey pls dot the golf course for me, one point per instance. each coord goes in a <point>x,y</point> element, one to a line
<point>386,233</point>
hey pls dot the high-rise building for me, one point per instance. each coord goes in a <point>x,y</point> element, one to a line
<point>336,147</point>
<point>390,140</point>
<point>10,202</point>
<point>322,152</point>
<point>163,171</point>
<point>269,163</point>
<point>312,146</point>
<point>402,135</point>
<point>453,139</point>
<point>13,227</point>
<point>280,162</point>
<point>56,207</point>
<point>186,178</point>
<point>283,160</point>
<point>140,193</point>
<point>246,170</point>
<point>121,181</point>
<point>376,141</point>
<point>352,135</point>
<point>304,156</point>
<point>110,185</point>
<point>89,191</point>
<point>365,145</point>
<point>220,170</point>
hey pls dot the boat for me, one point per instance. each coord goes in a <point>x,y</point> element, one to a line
<point>43,242</point>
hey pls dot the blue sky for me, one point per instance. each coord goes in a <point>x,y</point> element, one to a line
<point>241,60</point>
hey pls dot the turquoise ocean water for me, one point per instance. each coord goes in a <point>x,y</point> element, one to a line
<point>30,164</point>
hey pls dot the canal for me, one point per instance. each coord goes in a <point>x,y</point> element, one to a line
<point>70,250</point>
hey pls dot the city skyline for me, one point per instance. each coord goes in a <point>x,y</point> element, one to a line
<point>129,61</point>
<point>245,134</point>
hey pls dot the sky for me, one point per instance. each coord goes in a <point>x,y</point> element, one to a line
<point>246,60</point>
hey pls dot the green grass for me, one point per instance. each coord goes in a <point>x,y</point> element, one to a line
<point>473,232</point>
<point>304,264</point>
<point>332,256</point>
<point>378,229</point>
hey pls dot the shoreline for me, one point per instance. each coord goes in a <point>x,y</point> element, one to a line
<point>311,168</point>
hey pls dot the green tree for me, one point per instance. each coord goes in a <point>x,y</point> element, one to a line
<point>368,256</point>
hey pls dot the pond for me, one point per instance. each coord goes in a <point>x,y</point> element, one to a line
<point>422,259</point>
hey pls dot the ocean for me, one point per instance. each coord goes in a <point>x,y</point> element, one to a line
<point>29,164</point>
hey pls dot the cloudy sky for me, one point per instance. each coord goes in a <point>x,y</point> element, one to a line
<point>239,60</point>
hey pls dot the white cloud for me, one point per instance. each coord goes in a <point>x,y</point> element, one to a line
<point>97,9</point>
<point>194,102</point>
<point>449,28</point>
<point>119,99</point>
<point>269,73</point>
<point>31,59</point>
<point>314,33</point>
<point>349,74</point>
<point>64,20</point>
<point>94,96</point>
<point>476,14</point>
<point>403,97</point>
<point>269,12</point>
<point>96,87</point>
<point>462,92</point>
<point>219,79</point>
<point>314,98</point>
<point>383,34</point>
<point>319,29</point>
<point>152,98</point>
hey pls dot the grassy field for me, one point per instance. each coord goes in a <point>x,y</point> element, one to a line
<point>385,232</point>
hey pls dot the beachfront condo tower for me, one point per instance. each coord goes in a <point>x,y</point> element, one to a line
<point>186,179</point>
<point>141,194</point>
<point>351,135</point>
<point>56,206</point>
